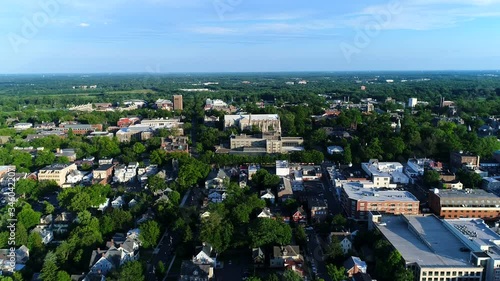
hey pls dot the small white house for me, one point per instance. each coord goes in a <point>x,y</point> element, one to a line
<point>205,256</point>
<point>46,234</point>
<point>74,176</point>
<point>265,213</point>
<point>268,195</point>
<point>345,239</point>
<point>132,203</point>
<point>118,202</point>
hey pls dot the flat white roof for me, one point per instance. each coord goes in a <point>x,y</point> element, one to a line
<point>476,231</point>
<point>356,191</point>
<point>383,169</point>
<point>424,240</point>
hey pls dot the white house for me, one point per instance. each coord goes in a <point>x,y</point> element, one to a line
<point>216,196</point>
<point>265,213</point>
<point>114,257</point>
<point>74,176</point>
<point>345,239</point>
<point>205,255</point>
<point>335,150</point>
<point>132,203</point>
<point>118,202</point>
<point>46,234</point>
<point>268,195</point>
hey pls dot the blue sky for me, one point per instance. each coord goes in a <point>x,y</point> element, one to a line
<point>83,36</point>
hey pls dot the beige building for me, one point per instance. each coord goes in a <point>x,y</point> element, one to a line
<point>267,143</point>
<point>178,104</point>
<point>56,172</point>
<point>266,123</point>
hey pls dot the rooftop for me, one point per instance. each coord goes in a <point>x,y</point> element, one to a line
<point>282,164</point>
<point>424,240</point>
<point>382,169</point>
<point>468,193</point>
<point>56,167</point>
<point>252,117</point>
<point>356,191</point>
<point>482,237</point>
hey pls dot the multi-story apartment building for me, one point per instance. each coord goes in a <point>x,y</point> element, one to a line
<point>457,159</point>
<point>465,203</point>
<point>383,173</point>
<point>56,172</point>
<point>359,198</point>
<point>428,247</point>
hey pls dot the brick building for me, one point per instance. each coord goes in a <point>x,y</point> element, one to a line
<point>466,203</point>
<point>358,199</point>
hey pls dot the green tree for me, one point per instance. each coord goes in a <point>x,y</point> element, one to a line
<point>21,235</point>
<point>336,273</point>
<point>63,276</point>
<point>262,179</point>
<point>149,233</point>
<point>80,202</point>
<point>156,183</point>
<point>62,160</point>
<point>339,222</point>
<point>334,250</point>
<point>25,187</point>
<point>34,241</point>
<point>272,277</point>
<point>264,232</point>
<point>431,177</point>
<point>469,179</point>
<point>28,217</point>
<point>44,158</point>
<point>290,275</point>
<point>300,235</point>
<point>160,269</point>
<point>50,268</point>
<point>49,208</point>
<point>138,148</point>
<point>347,154</point>
<point>4,239</point>
<point>131,271</point>
<point>174,197</point>
<point>217,231</point>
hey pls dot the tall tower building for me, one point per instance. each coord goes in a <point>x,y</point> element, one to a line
<point>412,102</point>
<point>178,102</point>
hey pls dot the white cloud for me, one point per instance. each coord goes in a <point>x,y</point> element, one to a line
<point>84,24</point>
<point>422,14</point>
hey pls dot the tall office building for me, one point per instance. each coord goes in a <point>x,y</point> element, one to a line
<point>178,102</point>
